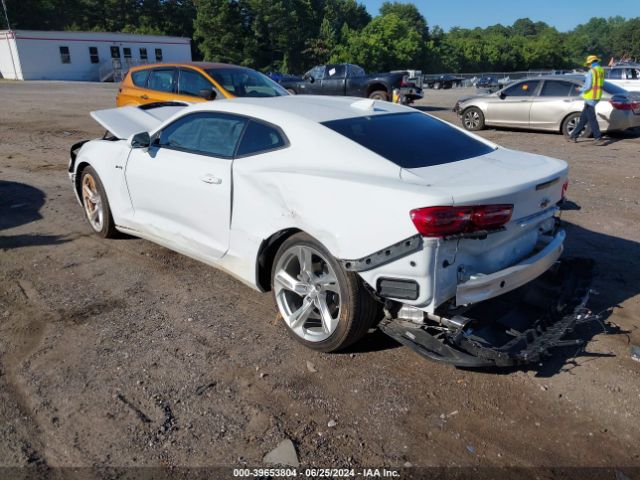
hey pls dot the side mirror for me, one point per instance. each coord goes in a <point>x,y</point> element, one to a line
<point>139,140</point>
<point>502,95</point>
<point>207,93</point>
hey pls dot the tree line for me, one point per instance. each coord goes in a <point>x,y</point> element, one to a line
<point>291,36</point>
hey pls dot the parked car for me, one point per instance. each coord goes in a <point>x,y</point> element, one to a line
<point>443,82</point>
<point>193,82</point>
<point>334,206</point>
<point>549,103</point>
<point>488,82</point>
<point>626,76</point>
<point>351,80</point>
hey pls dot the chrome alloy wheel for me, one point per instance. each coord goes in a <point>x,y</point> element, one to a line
<point>471,119</point>
<point>92,202</point>
<point>572,124</point>
<point>307,293</point>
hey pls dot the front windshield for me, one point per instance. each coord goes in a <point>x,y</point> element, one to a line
<point>244,82</point>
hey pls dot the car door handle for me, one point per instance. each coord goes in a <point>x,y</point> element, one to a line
<point>144,97</point>
<point>211,179</point>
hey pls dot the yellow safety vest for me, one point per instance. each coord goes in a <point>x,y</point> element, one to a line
<point>597,83</point>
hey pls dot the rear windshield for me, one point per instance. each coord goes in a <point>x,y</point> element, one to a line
<point>244,82</point>
<point>410,140</point>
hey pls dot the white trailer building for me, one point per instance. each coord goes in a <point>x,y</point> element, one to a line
<point>89,56</point>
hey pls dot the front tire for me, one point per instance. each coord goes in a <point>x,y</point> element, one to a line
<point>96,204</point>
<point>379,95</point>
<point>324,307</point>
<point>571,122</point>
<point>473,119</point>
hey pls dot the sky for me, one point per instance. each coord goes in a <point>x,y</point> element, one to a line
<point>562,14</point>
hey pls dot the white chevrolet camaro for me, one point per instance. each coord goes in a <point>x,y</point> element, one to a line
<point>342,207</point>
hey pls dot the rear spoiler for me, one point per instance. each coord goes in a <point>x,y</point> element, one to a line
<point>126,121</point>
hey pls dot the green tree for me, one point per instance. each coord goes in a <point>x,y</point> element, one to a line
<point>221,30</point>
<point>386,43</point>
<point>626,39</point>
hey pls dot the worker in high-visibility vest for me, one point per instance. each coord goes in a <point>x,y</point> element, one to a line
<point>591,93</point>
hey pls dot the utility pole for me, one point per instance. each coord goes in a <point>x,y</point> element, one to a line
<point>6,15</point>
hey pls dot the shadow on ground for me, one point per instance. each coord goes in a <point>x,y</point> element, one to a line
<point>20,205</point>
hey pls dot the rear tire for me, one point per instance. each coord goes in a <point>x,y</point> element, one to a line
<point>96,204</point>
<point>379,95</point>
<point>324,307</point>
<point>473,119</point>
<point>571,122</point>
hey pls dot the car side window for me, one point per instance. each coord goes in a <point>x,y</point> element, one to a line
<point>161,80</point>
<point>615,74</point>
<point>554,88</point>
<point>356,71</point>
<point>191,82</point>
<point>204,133</point>
<point>259,137</point>
<point>317,72</point>
<point>335,71</point>
<point>522,89</point>
<point>632,74</point>
<point>139,78</point>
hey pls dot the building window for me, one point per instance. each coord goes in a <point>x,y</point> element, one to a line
<point>143,54</point>
<point>93,53</point>
<point>65,56</point>
<point>115,52</point>
<point>158,54</point>
<point>127,52</point>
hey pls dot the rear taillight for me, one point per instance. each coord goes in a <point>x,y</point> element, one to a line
<point>622,103</point>
<point>565,187</point>
<point>444,221</point>
<point>405,82</point>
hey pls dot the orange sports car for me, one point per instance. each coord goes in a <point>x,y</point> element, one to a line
<point>193,82</point>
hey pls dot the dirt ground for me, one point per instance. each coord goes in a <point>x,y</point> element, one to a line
<point>122,353</point>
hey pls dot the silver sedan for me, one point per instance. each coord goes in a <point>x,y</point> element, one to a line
<point>551,103</point>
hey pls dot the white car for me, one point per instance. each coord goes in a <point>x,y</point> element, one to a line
<point>626,76</point>
<point>338,206</point>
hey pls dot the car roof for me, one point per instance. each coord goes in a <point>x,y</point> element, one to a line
<point>201,65</point>
<point>313,108</point>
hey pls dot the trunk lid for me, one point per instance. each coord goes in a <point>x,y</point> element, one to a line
<point>532,183</point>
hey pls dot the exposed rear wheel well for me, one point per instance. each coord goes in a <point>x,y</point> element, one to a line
<point>266,255</point>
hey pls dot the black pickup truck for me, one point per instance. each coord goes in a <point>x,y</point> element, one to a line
<point>351,80</point>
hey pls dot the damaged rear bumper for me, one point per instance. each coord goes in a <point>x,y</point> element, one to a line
<point>484,287</point>
<point>517,328</point>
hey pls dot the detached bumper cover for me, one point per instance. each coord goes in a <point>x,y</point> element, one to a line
<point>518,328</point>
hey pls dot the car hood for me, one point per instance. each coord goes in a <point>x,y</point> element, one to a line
<point>474,97</point>
<point>502,176</point>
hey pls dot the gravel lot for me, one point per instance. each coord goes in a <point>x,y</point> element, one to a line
<point>122,353</point>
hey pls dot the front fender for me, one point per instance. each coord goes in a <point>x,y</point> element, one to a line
<point>108,158</point>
